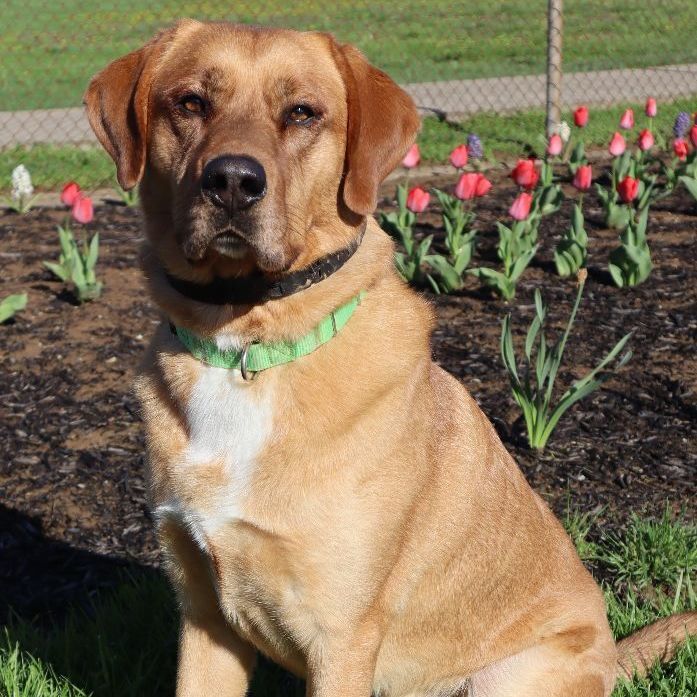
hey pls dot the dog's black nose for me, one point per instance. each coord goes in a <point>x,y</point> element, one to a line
<point>234,182</point>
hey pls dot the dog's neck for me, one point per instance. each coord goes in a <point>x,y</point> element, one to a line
<point>258,288</point>
<point>286,317</point>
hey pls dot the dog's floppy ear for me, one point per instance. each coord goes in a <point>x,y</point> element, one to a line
<point>117,108</point>
<point>382,124</point>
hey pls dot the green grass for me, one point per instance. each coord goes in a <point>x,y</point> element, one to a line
<point>51,49</point>
<point>125,645</point>
<point>503,136</point>
<point>515,134</point>
<point>51,166</point>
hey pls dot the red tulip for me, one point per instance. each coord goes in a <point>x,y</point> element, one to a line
<point>555,146</point>
<point>470,185</point>
<point>525,174</point>
<point>583,177</point>
<point>82,209</point>
<point>646,140</point>
<point>520,208</point>
<point>70,192</point>
<point>617,145</point>
<point>581,116</point>
<point>628,189</point>
<point>483,186</point>
<point>412,158</point>
<point>627,120</point>
<point>651,108</point>
<point>418,199</point>
<point>680,148</point>
<point>693,135</point>
<point>458,157</point>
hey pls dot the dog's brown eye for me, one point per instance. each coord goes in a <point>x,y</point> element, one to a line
<point>193,104</point>
<point>301,114</point>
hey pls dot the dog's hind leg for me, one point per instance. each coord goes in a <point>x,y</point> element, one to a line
<point>551,669</point>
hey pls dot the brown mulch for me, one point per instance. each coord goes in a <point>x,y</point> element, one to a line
<point>72,494</point>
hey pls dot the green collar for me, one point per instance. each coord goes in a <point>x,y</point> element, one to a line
<point>259,356</point>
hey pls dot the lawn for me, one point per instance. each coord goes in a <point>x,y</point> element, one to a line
<point>51,49</point>
<point>504,137</point>
<point>126,644</point>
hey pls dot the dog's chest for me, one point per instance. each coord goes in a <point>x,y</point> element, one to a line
<point>211,496</point>
<point>228,423</point>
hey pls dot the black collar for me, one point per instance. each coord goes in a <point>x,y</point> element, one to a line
<point>257,288</point>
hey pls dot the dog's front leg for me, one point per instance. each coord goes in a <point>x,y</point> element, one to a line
<point>345,668</point>
<point>213,660</point>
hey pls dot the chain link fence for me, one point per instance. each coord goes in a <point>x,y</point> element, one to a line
<point>457,59</point>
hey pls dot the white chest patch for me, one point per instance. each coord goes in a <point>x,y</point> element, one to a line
<point>229,421</point>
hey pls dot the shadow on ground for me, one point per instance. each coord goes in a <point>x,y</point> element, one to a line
<point>108,626</point>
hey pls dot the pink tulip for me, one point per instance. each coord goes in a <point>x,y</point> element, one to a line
<point>520,208</point>
<point>646,140</point>
<point>583,177</point>
<point>82,209</point>
<point>680,148</point>
<point>417,200</point>
<point>628,189</point>
<point>483,186</point>
<point>627,120</point>
<point>651,108</point>
<point>70,192</point>
<point>555,146</point>
<point>525,174</point>
<point>471,185</point>
<point>412,158</point>
<point>617,145</point>
<point>693,135</point>
<point>458,157</point>
<point>581,116</point>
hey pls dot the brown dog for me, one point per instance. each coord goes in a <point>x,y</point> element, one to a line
<point>349,512</point>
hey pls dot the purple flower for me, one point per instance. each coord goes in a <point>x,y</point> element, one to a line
<point>682,124</point>
<point>474,147</point>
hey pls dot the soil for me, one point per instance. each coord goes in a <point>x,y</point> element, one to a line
<point>72,494</point>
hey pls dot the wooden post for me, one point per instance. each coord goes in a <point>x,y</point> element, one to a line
<point>554,70</point>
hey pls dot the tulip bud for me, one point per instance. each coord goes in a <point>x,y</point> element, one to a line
<point>520,208</point>
<point>627,120</point>
<point>458,157</point>
<point>555,145</point>
<point>583,178</point>
<point>471,185</point>
<point>680,148</point>
<point>693,135</point>
<point>628,189</point>
<point>581,116</point>
<point>417,200</point>
<point>651,108</point>
<point>525,174</point>
<point>646,140</point>
<point>82,209</point>
<point>617,145</point>
<point>412,158</point>
<point>466,186</point>
<point>483,186</point>
<point>70,192</point>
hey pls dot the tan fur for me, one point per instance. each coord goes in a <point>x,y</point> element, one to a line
<point>384,540</point>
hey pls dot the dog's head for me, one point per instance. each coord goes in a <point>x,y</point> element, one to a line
<point>253,147</point>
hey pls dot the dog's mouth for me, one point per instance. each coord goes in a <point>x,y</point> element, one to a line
<point>229,244</point>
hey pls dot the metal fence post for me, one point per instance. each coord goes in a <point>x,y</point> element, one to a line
<point>554,71</point>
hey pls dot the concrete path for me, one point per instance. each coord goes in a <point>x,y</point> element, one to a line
<point>454,98</point>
